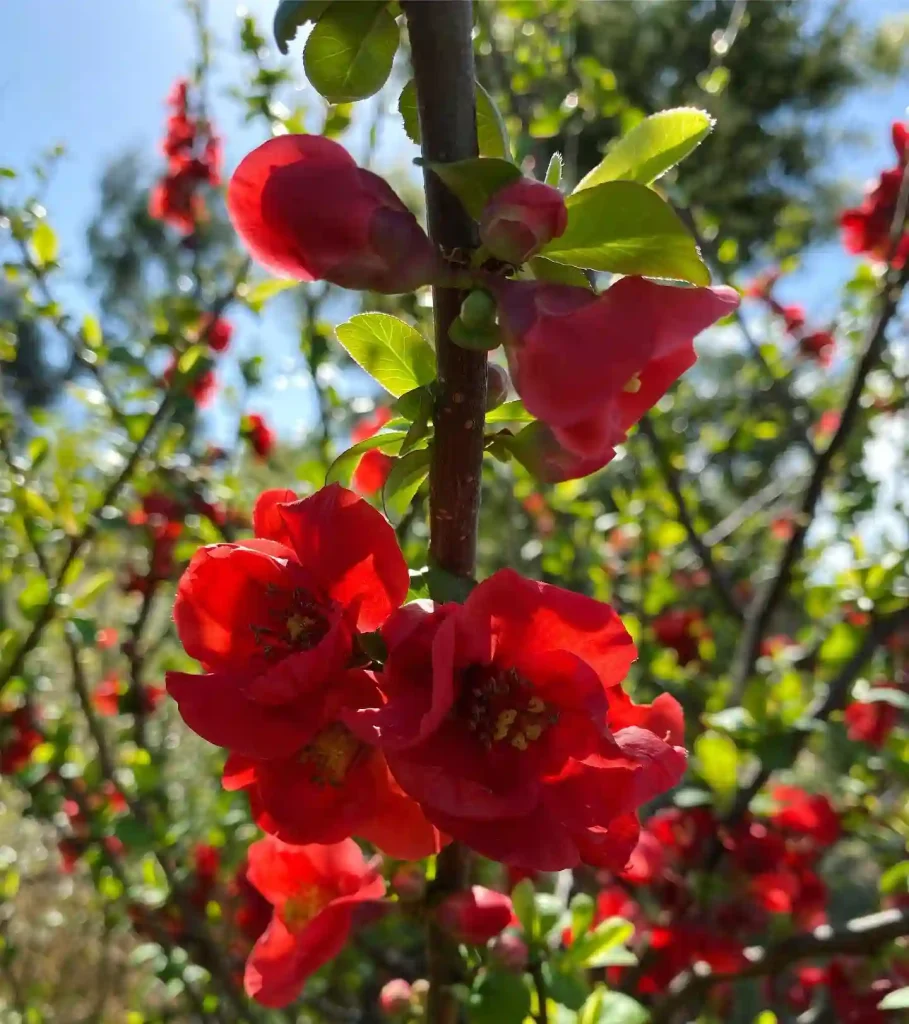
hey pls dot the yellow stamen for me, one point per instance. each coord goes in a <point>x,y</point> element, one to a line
<point>535,706</point>
<point>633,386</point>
<point>519,740</point>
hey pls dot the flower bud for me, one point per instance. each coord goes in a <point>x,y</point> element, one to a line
<point>409,883</point>
<point>509,951</point>
<point>303,208</point>
<point>521,218</point>
<point>475,915</point>
<point>478,309</point>
<point>394,999</point>
<point>497,385</point>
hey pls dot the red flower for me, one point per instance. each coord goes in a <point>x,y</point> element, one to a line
<point>761,286</point>
<point>273,620</point>
<point>647,860</point>
<point>589,366</point>
<point>521,218</point>
<point>684,833</point>
<point>373,468</point>
<point>106,697</point>
<point>260,435</point>
<point>315,892</point>
<point>106,638</point>
<point>866,228</point>
<point>216,331</point>
<point>793,316</point>
<point>200,387</point>
<point>303,208</point>
<point>681,630</point>
<point>252,912</point>
<point>206,864</point>
<point>176,201</point>
<point>475,915</point>
<point>807,814</point>
<point>677,947</point>
<point>818,345</point>
<point>871,723</point>
<point>503,718</point>
<point>19,735</point>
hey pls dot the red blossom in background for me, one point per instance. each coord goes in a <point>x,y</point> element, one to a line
<point>316,892</point>
<point>304,209</point>
<point>589,366</point>
<point>866,228</point>
<point>475,915</point>
<point>871,722</point>
<point>193,154</point>
<point>200,386</point>
<point>681,629</point>
<point>217,332</point>
<point>521,218</point>
<point>373,468</point>
<point>259,434</point>
<point>503,717</point>
<point>19,735</point>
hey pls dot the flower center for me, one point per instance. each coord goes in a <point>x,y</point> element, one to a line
<point>501,706</point>
<point>330,754</point>
<point>295,622</point>
<point>299,910</point>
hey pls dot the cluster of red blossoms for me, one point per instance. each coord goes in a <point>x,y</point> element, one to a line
<point>500,722</point>
<point>817,345</point>
<point>19,735</point>
<point>866,228</point>
<point>303,208</point>
<point>771,878</point>
<point>193,154</point>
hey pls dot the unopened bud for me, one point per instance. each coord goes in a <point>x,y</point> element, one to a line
<point>478,308</point>
<point>521,218</point>
<point>394,999</point>
<point>509,951</point>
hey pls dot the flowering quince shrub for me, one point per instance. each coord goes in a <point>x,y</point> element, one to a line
<point>558,674</point>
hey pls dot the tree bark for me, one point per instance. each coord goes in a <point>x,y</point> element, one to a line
<point>442,53</point>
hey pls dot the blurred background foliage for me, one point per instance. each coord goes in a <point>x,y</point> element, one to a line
<point>91,430</point>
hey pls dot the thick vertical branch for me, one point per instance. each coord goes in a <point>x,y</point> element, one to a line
<point>442,49</point>
<point>440,36</point>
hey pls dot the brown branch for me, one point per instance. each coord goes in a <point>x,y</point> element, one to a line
<point>717,578</point>
<point>861,935</point>
<point>539,983</point>
<point>442,54</point>
<point>761,612</point>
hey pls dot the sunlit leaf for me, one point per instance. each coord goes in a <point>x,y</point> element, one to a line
<point>389,350</point>
<point>350,52</point>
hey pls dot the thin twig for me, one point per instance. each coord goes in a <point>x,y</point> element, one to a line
<point>717,578</point>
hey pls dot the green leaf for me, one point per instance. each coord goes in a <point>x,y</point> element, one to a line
<point>626,228</point>
<point>895,879</point>
<point>260,293</point>
<point>896,1000</point>
<point>582,909</point>
<point>91,331</point>
<point>498,996</point>
<point>33,596</point>
<point>474,181</point>
<point>350,52</point>
<point>412,404</point>
<point>445,587</point>
<point>389,350</point>
<point>510,412</point>
<point>588,948</point>
<point>718,758</point>
<point>420,427</point>
<point>554,170</point>
<point>87,593</point>
<point>294,14</point>
<point>651,147</point>
<point>87,629</point>
<point>604,1007</point>
<point>38,504</point>
<point>557,273</point>
<point>342,469</point>
<point>404,480</point>
<point>525,908</point>
<point>410,114</point>
<point>44,244</point>
<point>492,135</point>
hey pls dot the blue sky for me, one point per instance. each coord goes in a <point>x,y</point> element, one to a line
<point>93,74</point>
